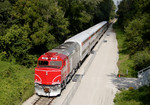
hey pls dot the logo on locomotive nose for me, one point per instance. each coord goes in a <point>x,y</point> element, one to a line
<point>46,73</point>
<point>47,90</point>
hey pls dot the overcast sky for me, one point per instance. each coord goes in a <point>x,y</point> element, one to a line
<point>117,2</point>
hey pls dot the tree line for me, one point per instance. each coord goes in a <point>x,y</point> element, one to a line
<point>134,19</point>
<point>29,28</point>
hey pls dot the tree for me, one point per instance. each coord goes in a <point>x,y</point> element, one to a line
<point>77,15</point>
<point>134,39</point>
<point>54,16</point>
<point>84,14</point>
<point>137,26</point>
<point>16,43</point>
<point>32,27</point>
<point>126,11</point>
<point>104,10</point>
<point>5,8</point>
<point>134,18</point>
<point>46,21</point>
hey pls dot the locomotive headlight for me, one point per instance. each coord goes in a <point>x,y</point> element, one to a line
<point>58,86</point>
<point>55,87</point>
<point>45,58</point>
<point>37,86</point>
<point>54,58</point>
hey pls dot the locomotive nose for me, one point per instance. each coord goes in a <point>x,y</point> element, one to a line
<point>47,76</point>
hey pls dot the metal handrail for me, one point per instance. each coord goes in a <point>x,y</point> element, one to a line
<point>144,76</point>
<point>144,69</point>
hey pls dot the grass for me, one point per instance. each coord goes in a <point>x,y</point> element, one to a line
<point>125,64</point>
<point>16,83</point>
<point>133,97</point>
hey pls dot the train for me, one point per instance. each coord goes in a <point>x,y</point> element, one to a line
<point>57,66</point>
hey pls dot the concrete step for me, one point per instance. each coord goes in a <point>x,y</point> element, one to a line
<point>125,83</point>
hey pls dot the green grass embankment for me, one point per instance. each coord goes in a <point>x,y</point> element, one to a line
<point>124,63</point>
<point>16,83</point>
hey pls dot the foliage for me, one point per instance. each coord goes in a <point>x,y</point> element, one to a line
<point>83,14</point>
<point>77,15</point>
<point>39,26</point>
<point>143,6</point>
<point>104,11</point>
<point>133,97</point>
<point>141,59</point>
<point>134,18</point>
<point>5,20</point>
<point>137,34</point>
<point>124,63</point>
<point>32,27</point>
<point>126,12</point>
<point>16,83</point>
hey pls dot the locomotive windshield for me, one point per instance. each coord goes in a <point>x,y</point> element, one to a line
<point>43,63</point>
<point>53,64</point>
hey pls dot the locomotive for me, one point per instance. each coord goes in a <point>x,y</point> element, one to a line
<point>57,66</point>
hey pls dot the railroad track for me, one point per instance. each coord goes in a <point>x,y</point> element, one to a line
<point>44,101</point>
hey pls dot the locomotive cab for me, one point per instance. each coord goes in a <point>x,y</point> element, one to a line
<point>48,74</point>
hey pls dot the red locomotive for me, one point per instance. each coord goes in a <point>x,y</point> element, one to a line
<point>56,67</point>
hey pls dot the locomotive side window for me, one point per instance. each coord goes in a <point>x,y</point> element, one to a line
<point>43,63</point>
<point>56,63</point>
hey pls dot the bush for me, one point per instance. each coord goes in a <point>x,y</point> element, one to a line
<point>137,34</point>
<point>131,88</point>
<point>16,83</point>
<point>141,60</point>
<point>134,97</point>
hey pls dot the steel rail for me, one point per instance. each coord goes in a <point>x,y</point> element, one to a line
<point>44,101</point>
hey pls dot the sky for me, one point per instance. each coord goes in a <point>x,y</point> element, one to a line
<point>117,2</point>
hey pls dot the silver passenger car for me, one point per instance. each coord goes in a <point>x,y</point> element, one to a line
<point>87,39</point>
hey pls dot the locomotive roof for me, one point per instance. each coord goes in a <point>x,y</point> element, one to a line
<point>66,48</point>
<point>80,37</point>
